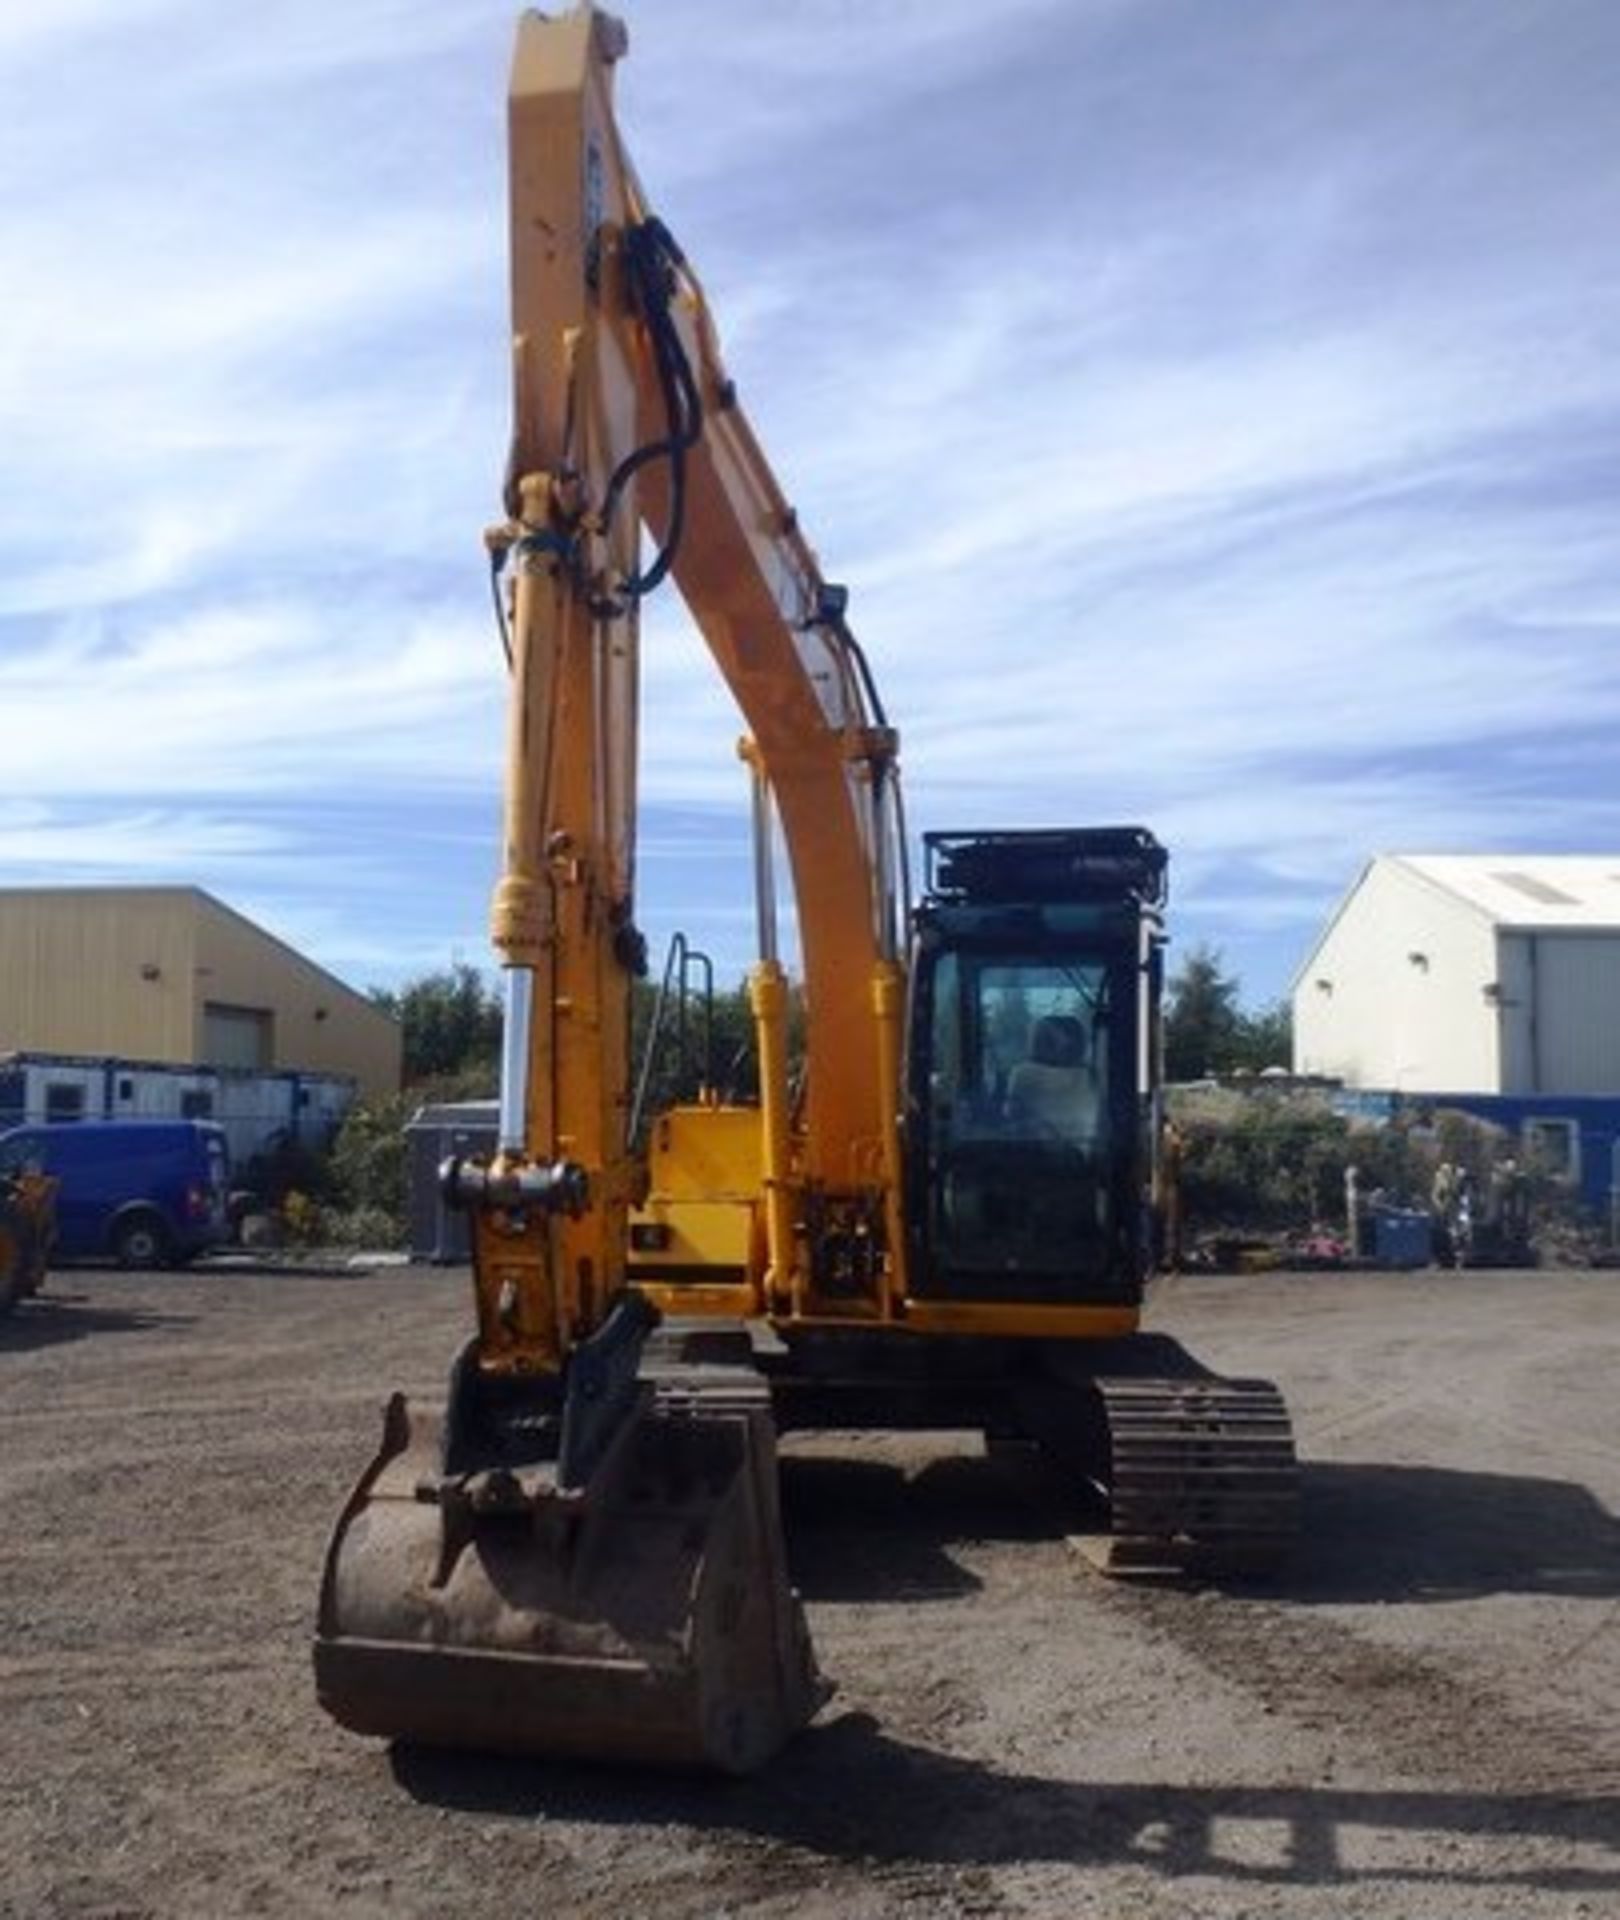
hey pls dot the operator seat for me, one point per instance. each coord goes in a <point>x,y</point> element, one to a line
<point>1055,1092</point>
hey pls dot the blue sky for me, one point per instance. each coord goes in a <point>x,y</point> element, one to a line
<point>1214,410</point>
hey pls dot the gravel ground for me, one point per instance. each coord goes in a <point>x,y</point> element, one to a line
<point>1422,1719</point>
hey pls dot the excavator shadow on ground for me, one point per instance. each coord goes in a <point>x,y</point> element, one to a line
<point>874,1531</point>
<point>847,1792</point>
<point>1373,1532</point>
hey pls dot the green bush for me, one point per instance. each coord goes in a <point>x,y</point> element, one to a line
<point>367,1228</point>
<point>1262,1162</point>
<point>1258,1162</point>
<point>368,1166</point>
<point>1264,1167</point>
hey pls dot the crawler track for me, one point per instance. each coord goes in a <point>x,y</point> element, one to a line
<point>1202,1478</point>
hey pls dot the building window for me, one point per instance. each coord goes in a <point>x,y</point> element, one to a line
<point>126,1088</point>
<point>64,1100</point>
<point>197,1103</point>
<point>1553,1147</point>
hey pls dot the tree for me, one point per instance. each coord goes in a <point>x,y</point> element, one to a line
<point>450,1021</point>
<point>369,1159</point>
<point>1207,1032</point>
<point>1202,1023</point>
<point>1266,1037</point>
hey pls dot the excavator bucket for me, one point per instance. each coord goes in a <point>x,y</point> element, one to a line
<point>645,1616</point>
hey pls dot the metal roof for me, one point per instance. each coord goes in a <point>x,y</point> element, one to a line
<point>1514,890</point>
<point>1527,889</point>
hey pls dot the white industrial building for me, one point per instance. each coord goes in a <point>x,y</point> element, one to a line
<point>1468,973</point>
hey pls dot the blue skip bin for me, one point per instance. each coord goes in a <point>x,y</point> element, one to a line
<point>1402,1237</point>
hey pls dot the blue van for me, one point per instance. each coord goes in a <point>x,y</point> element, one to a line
<point>146,1193</point>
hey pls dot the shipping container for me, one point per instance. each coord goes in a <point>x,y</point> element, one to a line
<point>257,1111</point>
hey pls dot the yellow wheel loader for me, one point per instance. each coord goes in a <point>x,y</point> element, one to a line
<point>579,1551</point>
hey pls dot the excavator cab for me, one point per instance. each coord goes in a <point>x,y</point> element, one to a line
<point>1032,1065</point>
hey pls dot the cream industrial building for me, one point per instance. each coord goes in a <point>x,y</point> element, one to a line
<point>1468,973</point>
<point>170,974</point>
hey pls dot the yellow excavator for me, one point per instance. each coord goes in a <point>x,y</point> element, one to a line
<point>939,1221</point>
<point>27,1230</point>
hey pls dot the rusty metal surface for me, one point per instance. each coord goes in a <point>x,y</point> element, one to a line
<point>647,1617</point>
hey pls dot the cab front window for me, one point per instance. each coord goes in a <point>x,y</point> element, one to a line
<point>1021,1119</point>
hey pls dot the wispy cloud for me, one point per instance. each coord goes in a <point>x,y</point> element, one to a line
<point>252,699</point>
<point>39,845</point>
<point>1210,409</point>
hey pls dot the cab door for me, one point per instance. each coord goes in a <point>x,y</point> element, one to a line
<point>1024,1129</point>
